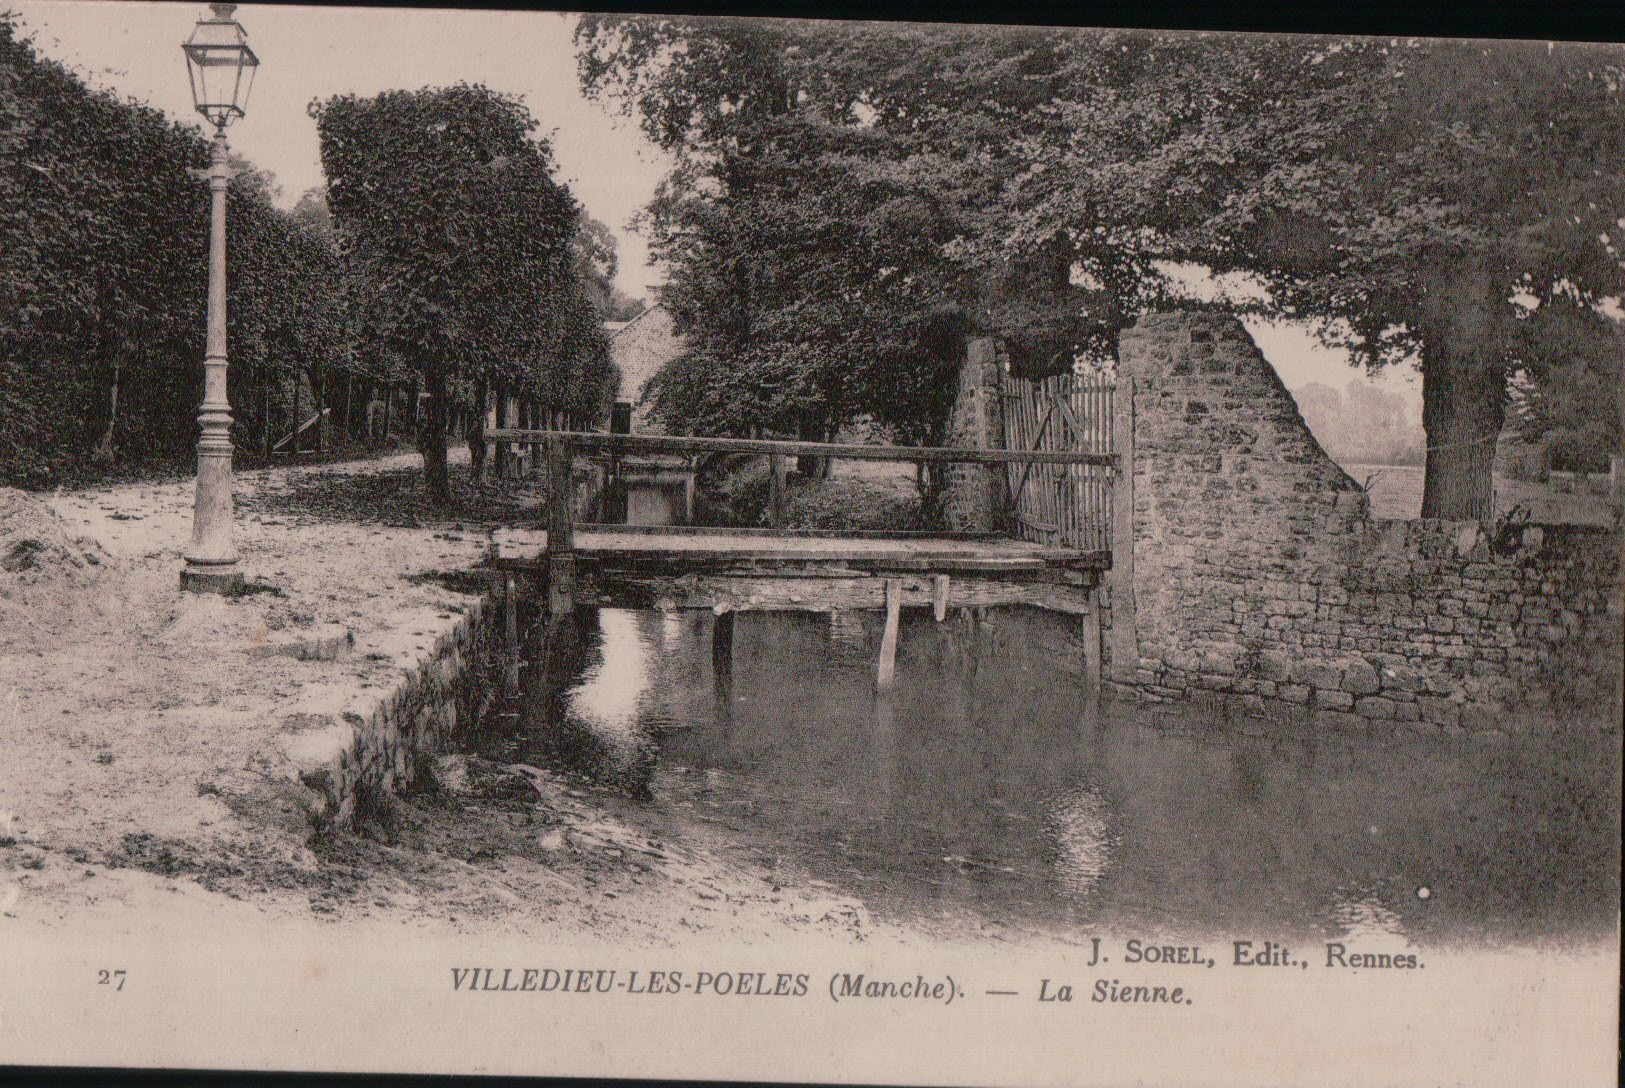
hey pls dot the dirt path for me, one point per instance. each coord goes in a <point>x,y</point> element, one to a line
<point>141,787</point>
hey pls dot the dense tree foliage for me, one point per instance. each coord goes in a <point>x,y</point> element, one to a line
<point>597,263</point>
<point>1447,205</point>
<point>806,243</point>
<point>103,244</point>
<point>447,200</point>
<point>848,205</point>
<point>1576,411</point>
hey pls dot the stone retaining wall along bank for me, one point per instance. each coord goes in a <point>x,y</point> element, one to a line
<point>379,740</point>
<point>1259,576</point>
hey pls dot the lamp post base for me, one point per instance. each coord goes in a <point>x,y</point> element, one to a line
<point>227,582</point>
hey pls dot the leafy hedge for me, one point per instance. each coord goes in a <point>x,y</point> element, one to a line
<point>103,279</point>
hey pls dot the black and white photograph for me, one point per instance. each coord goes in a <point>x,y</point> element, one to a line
<point>813,550</point>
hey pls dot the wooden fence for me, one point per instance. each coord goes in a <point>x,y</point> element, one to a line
<point>1064,505</point>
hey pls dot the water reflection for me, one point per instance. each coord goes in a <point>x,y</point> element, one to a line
<point>608,698</point>
<point>985,785</point>
<point>1082,839</point>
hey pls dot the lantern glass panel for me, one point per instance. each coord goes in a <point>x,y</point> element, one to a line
<point>221,67</point>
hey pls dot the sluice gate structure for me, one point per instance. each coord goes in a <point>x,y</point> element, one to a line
<point>774,568</point>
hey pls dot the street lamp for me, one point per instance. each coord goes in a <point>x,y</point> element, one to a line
<point>221,67</point>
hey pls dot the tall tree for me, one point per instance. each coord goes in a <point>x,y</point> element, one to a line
<point>1428,202</point>
<point>805,228</point>
<point>907,158</point>
<point>448,199</point>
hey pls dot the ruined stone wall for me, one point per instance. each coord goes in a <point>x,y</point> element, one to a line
<point>1259,576</point>
<point>975,494</point>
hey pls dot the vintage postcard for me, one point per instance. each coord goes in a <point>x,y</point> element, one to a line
<point>813,551</point>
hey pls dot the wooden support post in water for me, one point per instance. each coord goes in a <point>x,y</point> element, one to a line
<point>722,648</point>
<point>722,640</point>
<point>1091,641</point>
<point>939,597</point>
<point>560,529</point>
<point>510,634</point>
<point>888,641</point>
<point>775,464</point>
<point>722,666</point>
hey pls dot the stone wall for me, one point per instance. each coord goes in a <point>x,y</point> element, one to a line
<point>383,740</point>
<point>1259,576</point>
<point>975,499</point>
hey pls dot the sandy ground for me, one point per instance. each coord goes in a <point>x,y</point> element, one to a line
<point>140,789</point>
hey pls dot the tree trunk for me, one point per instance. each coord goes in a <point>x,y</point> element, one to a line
<point>476,432</point>
<point>319,380</point>
<point>1463,410</point>
<point>432,437</point>
<point>293,412</point>
<point>809,466</point>
<point>104,448</point>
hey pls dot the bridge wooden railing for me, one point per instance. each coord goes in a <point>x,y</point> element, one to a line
<point>569,443</point>
<point>562,447</point>
<point>601,442</point>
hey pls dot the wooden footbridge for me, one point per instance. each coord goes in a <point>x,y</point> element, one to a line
<point>731,570</point>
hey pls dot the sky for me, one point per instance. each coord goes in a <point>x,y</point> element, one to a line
<point>309,52</point>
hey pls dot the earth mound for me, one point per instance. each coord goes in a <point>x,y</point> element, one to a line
<point>35,543</point>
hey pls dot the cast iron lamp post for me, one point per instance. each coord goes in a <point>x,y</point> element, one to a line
<point>221,67</point>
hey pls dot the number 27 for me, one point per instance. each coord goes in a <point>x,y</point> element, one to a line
<point>111,978</point>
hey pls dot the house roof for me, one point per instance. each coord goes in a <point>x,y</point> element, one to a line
<point>618,327</point>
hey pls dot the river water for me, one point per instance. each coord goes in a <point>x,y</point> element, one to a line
<point>987,787</point>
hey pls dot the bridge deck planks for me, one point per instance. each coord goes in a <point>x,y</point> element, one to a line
<point>646,551</point>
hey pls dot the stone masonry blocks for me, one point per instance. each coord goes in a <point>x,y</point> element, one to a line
<point>1258,572</point>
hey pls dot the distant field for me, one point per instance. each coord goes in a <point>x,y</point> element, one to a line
<point>1396,492</point>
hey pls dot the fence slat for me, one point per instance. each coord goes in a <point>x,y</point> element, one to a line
<point>1060,503</point>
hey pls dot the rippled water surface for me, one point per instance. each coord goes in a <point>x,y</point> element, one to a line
<point>987,786</point>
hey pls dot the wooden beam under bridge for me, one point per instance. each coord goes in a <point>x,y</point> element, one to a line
<point>597,587</point>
